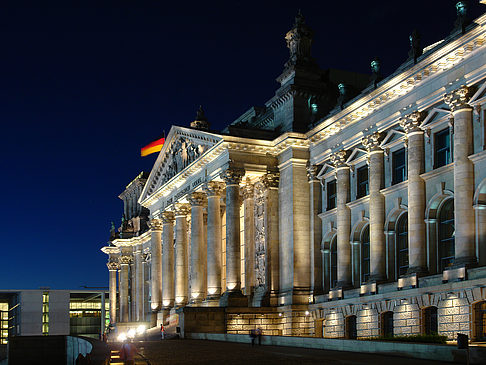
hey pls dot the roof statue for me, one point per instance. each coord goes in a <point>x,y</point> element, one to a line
<point>415,50</point>
<point>462,20</point>
<point>201,122</point>
<point>299,42</point>
<point>376,76</point>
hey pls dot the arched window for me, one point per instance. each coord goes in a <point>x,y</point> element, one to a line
<point>365,254</point>
<point>402,244</point>
<point>387,324</point>
<point>430,320</point>
<point>350,328</point>
<point>333,259</point>
<point>446,234</point>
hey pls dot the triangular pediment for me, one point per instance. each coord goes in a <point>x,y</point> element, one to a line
<point>479,96</point>
<point>183,146</point>
<point>435,115</point>
<point>327,168</point>
<point>392,137</point>
<point>356,156</point>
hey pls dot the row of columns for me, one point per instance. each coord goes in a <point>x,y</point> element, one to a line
<point>463,195</point>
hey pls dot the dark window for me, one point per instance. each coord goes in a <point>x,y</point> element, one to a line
<point>387,323</point>
<point>402,245</point>
<point>442,141</point>
<point>365,254</point>
<point>350,325</point>
<point>331,195</point>
<point>399,173</point>
<point>362,174</point>
<point>333,262</point>
<point>446,235</point>
<point>480,321</point>
<point>430,320</point>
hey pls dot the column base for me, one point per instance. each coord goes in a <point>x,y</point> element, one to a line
<point>233,299</point>
<point>467,262</point>
<point>417,270</point>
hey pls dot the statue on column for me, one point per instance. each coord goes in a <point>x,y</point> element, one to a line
<point>299,42</point>
<point>462,20</point>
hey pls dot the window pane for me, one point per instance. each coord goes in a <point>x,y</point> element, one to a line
<point>402,245</point>
<point>365,254</point>
<point>333,262</point>
<point>442,148</point>
<point>362,175</point>
<point>446,235</point>
<point>399,168</point>
<point>331,195</point>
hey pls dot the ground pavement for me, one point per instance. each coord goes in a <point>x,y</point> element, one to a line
<point>214,352</point>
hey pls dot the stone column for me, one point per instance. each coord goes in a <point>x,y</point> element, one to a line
<point>181,269</point>
<point>198,250</point>
<point>168,260</point>
<point>315,228</point>
<point>232,178</point>
<point>125,261</point>
<point>271,181</point>
<point>417,250</point>
<point>146,284</point>
<point>249,206</point>
<point>343,217</point>
<point>156,264</point>
<point>133,290</point>
<point>113,266</point>
<point>376,207</point>
<point>463,176</point>
<point>139,277</point>
<point>214,190</point>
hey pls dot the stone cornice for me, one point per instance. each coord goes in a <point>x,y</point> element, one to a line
<point>128,242</point>
<point>403,83</point>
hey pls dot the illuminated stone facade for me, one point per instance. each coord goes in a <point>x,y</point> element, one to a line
<point>346,206</point>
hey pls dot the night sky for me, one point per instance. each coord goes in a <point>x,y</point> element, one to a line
<point>83,86</point>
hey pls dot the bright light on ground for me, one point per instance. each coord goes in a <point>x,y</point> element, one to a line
<point>122,337</point>
<point>141,329</point>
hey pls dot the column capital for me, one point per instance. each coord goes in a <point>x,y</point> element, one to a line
<point>232,176</point>
<point>271,179</point>
<point>113,265</point>
<point>457,99</point>
<point>338,159</point>
<point>197,199</point>
<point>372,142</point>
<point>312,171</point>
<point>247,190</point>
<point>182,209</point>
<point>213,188</point>
<point>411,122</point>
<point>126,259</point>
<point>146,257</point>
<point>156,224</point>
<point>167,217</point>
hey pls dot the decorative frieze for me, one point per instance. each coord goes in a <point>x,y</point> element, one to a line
<point>232,176</point>
<point>411,123</point>
<point>458,98</point>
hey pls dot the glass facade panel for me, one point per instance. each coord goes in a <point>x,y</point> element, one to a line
<point>402,245</point>
<point>442,148</point>
<point>399,169</point>
<point>331,195</point>
<point>362,175</point>
<point>446,235</point>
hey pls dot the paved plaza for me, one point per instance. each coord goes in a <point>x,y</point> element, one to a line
<point>213,352</point>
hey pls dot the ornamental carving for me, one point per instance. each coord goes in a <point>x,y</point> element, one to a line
<point>213,188</point>
<point>247,191</point>
<point>312,171</point>
<point>113,265</point>
<point>372,142</point>
<point>411,123</point>
<point>156,224</point>
<point>146,257</point>
<point>197,199</point>
<point>458,98</point>
<point>232,176</point>
<point>167,217</point>
<point>182,209</point>
<point>260,242</point>
<point>338,159</point>
<point>126,259</point>
<point>270,179</point>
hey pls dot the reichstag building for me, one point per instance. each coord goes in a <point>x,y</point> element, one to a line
<point>345,206</point>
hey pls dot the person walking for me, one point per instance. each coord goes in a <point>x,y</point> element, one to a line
<point>162,332</point>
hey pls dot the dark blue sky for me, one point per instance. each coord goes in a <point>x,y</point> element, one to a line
<point>83,86</point>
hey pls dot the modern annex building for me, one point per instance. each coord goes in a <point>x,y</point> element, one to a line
<point>346,205</point>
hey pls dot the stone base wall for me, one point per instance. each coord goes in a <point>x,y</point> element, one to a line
<point>242,324</point>
<point>297,323</point>
<point>454,316</point>
<point>367,323</point>
<point>406,319</point>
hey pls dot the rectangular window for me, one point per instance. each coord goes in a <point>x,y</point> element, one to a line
<point>45,313</point>
<point>399,168</point>
<point>331,195</point>
<point>442,142</point>
<point>362,175</point>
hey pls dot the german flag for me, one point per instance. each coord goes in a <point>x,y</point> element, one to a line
<point>153,147</point>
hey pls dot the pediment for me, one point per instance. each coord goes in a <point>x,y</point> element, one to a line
<point>479,96</point>
<point>392,137</point>
<point>435,115</point>
<point>327,168</point>
<point>356,156</point>
<point>182,148</point>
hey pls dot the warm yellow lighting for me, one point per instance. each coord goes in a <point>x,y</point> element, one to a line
<point>179,299</point>
<point>131,333</point>
<point>153,305</point>
<point>166,303</point>
<point>212,290</point>
<point>307,313</point>
<point>141,329</point>
<point>231,286</point>
<point>280,314</point>
<point>122,337</point>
